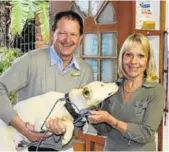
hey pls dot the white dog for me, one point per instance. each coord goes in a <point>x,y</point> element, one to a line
<point>37,110</point>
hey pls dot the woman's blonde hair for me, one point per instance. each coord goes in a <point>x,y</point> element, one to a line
<point>150,72</point>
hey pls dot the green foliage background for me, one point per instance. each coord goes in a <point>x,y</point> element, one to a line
<point>7,56</point>
<point>24,10</point>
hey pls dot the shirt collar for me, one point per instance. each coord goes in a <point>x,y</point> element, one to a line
<point>55,59</point>
<point>146,84</point>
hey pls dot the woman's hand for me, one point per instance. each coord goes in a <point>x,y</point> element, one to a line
<point>98,117</point>
<point>104,116</point>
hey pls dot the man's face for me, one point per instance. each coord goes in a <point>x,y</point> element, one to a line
<point>66,37</point>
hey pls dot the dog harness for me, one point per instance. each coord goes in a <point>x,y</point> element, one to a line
<point>70,108</point>
<point>84,113</point>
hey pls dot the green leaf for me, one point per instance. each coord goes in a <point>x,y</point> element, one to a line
<point>19,15</point>
<point>43,14</point>
<point>32,9</point>
<point>23,10</point>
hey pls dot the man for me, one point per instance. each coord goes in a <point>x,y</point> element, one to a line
<point>43,70</point>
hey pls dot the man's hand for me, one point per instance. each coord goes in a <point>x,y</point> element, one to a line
<point>27,130</point>
<point>56,126</point>
<point>32,135</point>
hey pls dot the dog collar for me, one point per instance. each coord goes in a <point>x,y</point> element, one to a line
<point>70,108</point>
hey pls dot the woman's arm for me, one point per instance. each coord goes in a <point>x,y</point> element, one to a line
<point>103,117</point>
<point>143,131</point>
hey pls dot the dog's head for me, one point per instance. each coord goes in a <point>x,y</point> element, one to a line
<point>94,93</point>
<point>97,91</point>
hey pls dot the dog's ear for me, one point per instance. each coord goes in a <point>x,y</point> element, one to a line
<point>80,87</point>
<point>87,93</point>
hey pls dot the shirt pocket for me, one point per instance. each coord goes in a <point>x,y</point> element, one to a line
<point>140,107</point>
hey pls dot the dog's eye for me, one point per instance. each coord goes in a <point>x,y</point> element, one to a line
<point>87,93</point>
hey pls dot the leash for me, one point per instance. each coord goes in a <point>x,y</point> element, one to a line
<point>43,131</point>
<point>72,108</point>
<point>61,99</point>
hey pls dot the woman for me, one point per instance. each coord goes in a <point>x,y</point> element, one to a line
<point>131,117</point>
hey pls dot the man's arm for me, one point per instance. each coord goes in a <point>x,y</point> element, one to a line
<point>14,79</point>
<point>26,130</point>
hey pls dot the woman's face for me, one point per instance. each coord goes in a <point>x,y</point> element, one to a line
<point>135,61</point>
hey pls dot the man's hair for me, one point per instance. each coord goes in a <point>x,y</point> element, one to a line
<point>150,72</point>
<point>69,15</point>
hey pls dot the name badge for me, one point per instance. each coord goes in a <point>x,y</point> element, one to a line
<point>74,74</point>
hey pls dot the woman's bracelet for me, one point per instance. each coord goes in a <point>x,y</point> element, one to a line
<point>117,123</point>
